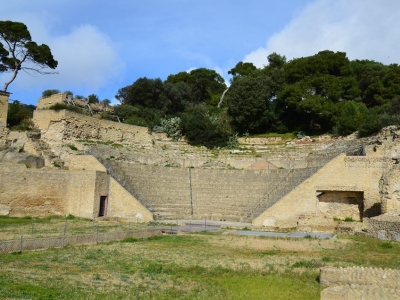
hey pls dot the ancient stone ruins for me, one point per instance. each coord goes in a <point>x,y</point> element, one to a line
<point>82,165</point>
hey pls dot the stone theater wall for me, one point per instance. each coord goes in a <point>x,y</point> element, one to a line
<point>182,193</point>
<point>46,102</point>
<point>64,125</point>
<point>354,175</point>
<point>39,192</point>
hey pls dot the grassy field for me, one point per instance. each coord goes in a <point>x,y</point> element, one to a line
<point>190,266</point>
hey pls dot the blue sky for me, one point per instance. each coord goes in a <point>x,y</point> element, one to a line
<point>104,45</point>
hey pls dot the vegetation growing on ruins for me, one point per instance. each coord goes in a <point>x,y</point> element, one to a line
<point>19,116</point>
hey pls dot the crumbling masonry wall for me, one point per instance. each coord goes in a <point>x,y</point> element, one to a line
<point>46,102</point>
<point>3,108</point>
<point>65,125</point>
<point>3,117</point>
<point>384,227</point>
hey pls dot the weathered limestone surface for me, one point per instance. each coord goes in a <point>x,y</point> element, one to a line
<point>3,108</point>
<point>331,276</point>
<point>358,174</point>
<point>85,162</point>
<point>41,192</point>
<point>384,227</point>
<point>66,125</point>
<point>46,102</point>
<point>84,189</point>
<point>123,205</point>
<point>31,192</point>
<point>390,190</point>
<point>357,292</point>
<point>3,117</point>
<point>64,98</point>
<point>386,143</point>
<point>359,283</point>
<point>3,135</point>
<point>214,194</point>
<point>339,204</point>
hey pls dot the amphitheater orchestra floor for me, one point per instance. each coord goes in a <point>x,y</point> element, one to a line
<point>240,228</point>
<point>285,234</point>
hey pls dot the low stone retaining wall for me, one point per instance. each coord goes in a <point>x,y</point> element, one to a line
<point>359,283</point>
<point>330,276</point>
<point>384,227</point>
<point>356,292</point>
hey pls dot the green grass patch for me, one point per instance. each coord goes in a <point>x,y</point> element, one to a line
<point>283,136</point>
<point>386,245</point>
<point>310,264</point>
<point>271,286</point>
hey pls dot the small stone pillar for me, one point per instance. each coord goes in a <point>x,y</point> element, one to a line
<point>3,108</point>
<point>3,117</point>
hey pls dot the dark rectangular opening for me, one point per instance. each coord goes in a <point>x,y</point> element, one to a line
<point>342,203</point>
<point>103,206</point>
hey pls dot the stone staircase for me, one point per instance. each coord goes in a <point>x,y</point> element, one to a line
<point>293,178</point>
<point>184,193</point>
<point>177,192</point>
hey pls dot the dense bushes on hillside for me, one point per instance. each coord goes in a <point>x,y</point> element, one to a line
<point>322,93</point>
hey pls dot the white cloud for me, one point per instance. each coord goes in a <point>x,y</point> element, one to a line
<point>87,58</point>
<point>364,29</point>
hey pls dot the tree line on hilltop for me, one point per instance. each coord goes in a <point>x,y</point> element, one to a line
<point>323,93</point>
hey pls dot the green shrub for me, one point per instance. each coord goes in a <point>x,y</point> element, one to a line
<point>233,141</point>
<point>61,106</point>
<point>19,116</point>
<point>386,245</point>
<point>204,127</point>
<point>72,147</point>
<point>70,217</point>
<point>48,93</point>
<point>172,127</point>
<point>116,145</point>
